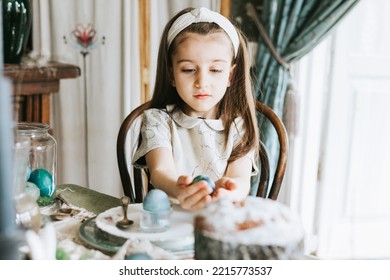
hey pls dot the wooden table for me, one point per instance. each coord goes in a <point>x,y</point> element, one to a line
<point>33,87</point>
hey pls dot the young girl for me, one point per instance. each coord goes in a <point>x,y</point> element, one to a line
<point>202,118</point>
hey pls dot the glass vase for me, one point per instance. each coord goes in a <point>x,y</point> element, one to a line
<point>17,19</point>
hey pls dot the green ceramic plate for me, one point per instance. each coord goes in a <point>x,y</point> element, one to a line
<point>110,244</point>
<point>98,239</point>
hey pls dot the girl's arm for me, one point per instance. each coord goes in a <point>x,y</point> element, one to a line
<point>237,179</point>
<point>163,175</point>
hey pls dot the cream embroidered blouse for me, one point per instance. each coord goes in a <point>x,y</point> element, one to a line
<point>197,144</point>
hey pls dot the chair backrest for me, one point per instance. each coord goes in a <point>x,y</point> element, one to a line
<point>141,179</point>
<point>136,194</point>
<point>263,188</point>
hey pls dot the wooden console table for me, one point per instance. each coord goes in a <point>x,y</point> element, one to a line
<point>33,87</point>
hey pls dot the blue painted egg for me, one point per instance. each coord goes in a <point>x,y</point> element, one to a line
<point>32,190</point>
<point>207,179</point>
<point>138,256</point>
<point>156,201</point>
<point>43,180</point>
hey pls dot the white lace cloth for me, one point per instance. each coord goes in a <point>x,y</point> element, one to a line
<point>68,245</point>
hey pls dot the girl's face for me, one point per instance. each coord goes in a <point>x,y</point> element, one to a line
<point>202,71</point>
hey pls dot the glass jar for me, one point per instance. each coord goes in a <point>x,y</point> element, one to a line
<point>27,211</point>
<point>42,162</point>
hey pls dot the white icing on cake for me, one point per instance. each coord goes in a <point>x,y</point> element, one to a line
<point>273,222</point>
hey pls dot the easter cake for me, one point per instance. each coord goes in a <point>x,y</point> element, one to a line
<point>254,228</point>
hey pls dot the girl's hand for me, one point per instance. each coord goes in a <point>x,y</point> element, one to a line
<point>225,187</point>
<point>192,196</point>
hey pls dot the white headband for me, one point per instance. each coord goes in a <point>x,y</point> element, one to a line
<point>203,15</point>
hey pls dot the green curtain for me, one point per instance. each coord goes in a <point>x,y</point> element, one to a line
<point>294,28</point>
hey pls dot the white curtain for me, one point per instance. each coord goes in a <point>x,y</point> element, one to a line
<point>112,80</point>
<point>112,85</point>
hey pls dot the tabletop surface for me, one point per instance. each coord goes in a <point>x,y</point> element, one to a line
<point>78,236</point>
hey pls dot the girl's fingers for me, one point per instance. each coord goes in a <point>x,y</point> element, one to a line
<point>196,201</point>
<point>221,192</point>
<point>230,185</point>
<point>188,189</point>
<point>226,183</point>
<point>193,196</point>
<point>224,187</point>
<point>184,181</point>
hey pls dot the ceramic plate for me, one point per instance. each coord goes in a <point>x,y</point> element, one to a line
<point>180,235</point>
<point>97,239</point>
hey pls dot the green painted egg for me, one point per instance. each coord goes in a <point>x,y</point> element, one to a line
<point>207,179</point>
<point>44,181</point>
<point>32,190</point>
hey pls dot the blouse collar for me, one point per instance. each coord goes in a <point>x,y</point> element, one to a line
<point>190,122</point>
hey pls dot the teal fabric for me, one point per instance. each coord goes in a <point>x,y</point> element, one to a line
<point>295,27</point>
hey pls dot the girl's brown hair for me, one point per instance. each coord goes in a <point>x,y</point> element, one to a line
<point>238,100</point>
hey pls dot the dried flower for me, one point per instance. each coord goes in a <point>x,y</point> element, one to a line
<point>85,36</point>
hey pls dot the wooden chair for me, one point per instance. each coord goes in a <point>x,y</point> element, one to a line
<point>141,178</point>
<point>263,187</point>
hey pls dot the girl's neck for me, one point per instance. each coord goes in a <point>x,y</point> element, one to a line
<point>210,114</point>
